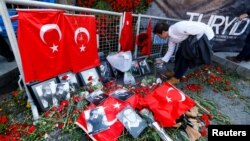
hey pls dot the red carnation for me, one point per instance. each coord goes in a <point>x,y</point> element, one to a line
<point>90,78</point>
<point>31,129</point>
<point>65,77</point>
<point>3,119</point>
<point>203,131</point>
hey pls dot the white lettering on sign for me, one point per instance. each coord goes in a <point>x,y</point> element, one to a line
<point>222,24</point>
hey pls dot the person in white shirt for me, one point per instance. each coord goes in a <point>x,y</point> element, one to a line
<point>177,33</point>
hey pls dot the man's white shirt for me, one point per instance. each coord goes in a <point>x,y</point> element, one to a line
<point>180,31</point>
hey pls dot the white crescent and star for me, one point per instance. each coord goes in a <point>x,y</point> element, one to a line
<point>46,28</point>
<point>81,30</point>
<point>54,48</point>
<point>82,48</point>
<point>183,97</point>
<point>117,105</point>
<point>127,22</point>
<point>169,99</point>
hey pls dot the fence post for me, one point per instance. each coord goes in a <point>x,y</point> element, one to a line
<point>14,46</point>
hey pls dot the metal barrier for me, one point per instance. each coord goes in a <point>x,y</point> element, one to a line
<point>108,28</point>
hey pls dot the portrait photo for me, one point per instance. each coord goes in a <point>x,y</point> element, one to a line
<point>97,97</point>
<point>121,94</point>
<point>144,67</point>
<point>62,91</point>
<point>90,76</point>
<point>132,121</point>
<point>44,94</point>
<point>135,68</point>
<point>117,74</point>
<point>71,78</point>
<point>96,120</point>
<point>105,71</point>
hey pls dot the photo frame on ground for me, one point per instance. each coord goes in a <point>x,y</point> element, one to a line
<point>89,76</point>
<point>43,93</point>
<point>135,68</point>
<point>144,67</point>
<point>105,71</point>
<point>121,94</point>
<point>132,121</point>
<point>160,68</point>
<point>96,120</point>
<point>62,91</point>
<point>71,78</point>
<point>97,97</point>
<point>117,74</point>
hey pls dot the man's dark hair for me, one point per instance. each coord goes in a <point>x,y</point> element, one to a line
<point>160,27</point>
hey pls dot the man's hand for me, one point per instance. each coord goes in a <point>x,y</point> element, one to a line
<point>159,61</point>
<point>243,16</point>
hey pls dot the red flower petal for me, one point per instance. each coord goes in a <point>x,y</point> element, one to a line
<point>65,77</point>
<point>3,119</point>
<point>90,78</point>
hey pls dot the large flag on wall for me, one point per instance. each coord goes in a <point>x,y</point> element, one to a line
<point>80,37</point>
<point>40,39</point>
<point>126,38</point>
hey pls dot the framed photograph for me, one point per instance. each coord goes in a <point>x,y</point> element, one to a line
<point>121,94</point>
<point>44,94</point>
<point>105,71</point>
<point>117,74</point>
<point>71,78</point>
<point>135,68</point>
<point>160,68</point>
<point>96,120</point>
<point>144,67</point>
<point>62,91</point>
<point>89,76</point>
<point>132,121</point>
<point>97,97</point>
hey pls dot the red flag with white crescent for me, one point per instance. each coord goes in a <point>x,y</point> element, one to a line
<point>168,103</point>
<point>149,39</point>
<point>40,36</point>
<point>111,107</point>
<point>81,39</point>
<point>126,38</point>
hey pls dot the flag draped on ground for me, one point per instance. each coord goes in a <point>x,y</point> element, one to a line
<point>168,104</point>
<point>111,107</point>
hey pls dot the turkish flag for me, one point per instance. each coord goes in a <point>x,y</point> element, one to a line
<point>40,36</point>
<point>147,49</point>
<point>133,100</point>
<point>80,37</point>
<point>144,40</point>
<point>111,107</point>
<point>126,38</point>
<point>168,104</point>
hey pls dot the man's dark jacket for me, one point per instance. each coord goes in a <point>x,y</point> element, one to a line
<point>196,52</point>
